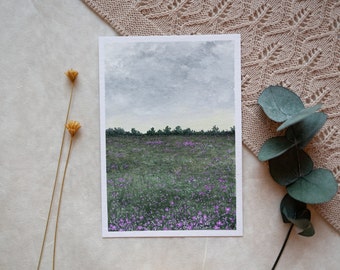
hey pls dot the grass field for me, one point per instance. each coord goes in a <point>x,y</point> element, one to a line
<point>171,183</point>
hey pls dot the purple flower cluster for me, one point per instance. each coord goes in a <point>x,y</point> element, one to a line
<point>161,211</point>
<point>189,143</point>
<point>176,219</point>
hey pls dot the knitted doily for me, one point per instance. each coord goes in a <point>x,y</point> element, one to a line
<point>293,43</point>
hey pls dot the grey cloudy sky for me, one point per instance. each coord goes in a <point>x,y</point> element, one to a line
<point>177,83</point>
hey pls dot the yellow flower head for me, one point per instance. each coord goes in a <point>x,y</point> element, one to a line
<point>72,127</point>
<point>72,74</point>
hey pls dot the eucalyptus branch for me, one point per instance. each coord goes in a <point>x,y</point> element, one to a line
<point>289,165</point>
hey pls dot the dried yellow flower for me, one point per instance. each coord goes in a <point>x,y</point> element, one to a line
<point>72,127</point>
<point>72,74</point>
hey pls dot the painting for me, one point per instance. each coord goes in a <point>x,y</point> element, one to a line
<point>170,125</point>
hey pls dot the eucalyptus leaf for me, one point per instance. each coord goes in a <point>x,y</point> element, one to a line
<point>299,116</point>
<point>308,230</point>
<point>296,212</point>
<point>302,132</point>
<point>319,186</point>
<point>290,209</point>
<point>288,167</point>
<point>305,226</point>
<point>274,147</point>
<point>302,221</point>
<point>279,103</point>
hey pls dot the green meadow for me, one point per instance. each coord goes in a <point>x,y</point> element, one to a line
<point>171,182</point>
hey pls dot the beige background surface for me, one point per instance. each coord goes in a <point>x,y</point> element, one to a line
<point>39,41</point>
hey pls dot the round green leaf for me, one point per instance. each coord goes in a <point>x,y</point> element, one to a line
<point>288,167</point>
<point>299,116</point>
<point>319,186</point>
<point>302,132</point>
<point>291,208</point>
<point>307,230</point>
<point>274,147</point>
<point>279,103</point>
<point>296,212</point>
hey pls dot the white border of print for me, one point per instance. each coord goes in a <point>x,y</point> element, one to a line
<point>238,137</point>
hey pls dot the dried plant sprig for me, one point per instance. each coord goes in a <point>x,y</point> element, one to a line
<point>72,127</point>
<point>72,75</point>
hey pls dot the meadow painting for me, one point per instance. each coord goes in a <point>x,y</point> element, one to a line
<point>171,136</point>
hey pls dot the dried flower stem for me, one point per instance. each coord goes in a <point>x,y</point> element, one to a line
<point>283,246</point>
<point>56,177</point>
<point>59,203</point>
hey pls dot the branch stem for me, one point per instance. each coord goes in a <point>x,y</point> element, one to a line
<point>59,204</point>
<point>283,246</point>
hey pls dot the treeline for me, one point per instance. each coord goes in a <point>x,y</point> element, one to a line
<point>118,131</point>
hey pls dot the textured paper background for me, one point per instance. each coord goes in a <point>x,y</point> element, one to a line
<point>40,40</point>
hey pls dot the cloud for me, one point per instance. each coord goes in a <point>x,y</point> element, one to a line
<point>159,81</point>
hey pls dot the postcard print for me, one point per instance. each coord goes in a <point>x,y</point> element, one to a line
<point>171,136</point>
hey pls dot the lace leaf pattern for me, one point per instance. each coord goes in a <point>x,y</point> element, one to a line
<point>293,43</point>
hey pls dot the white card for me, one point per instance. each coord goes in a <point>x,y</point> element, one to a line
<point>171,136</point>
